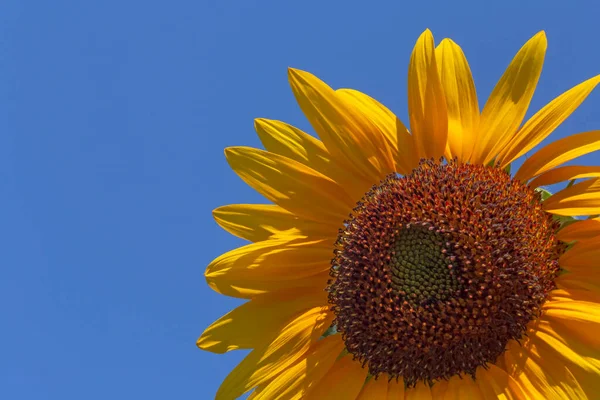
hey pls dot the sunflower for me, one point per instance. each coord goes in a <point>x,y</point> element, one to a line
<point>412,264</point>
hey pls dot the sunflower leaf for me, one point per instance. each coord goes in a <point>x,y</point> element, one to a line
<point>545,193</point>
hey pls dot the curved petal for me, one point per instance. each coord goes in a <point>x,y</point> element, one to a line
<point>291,185</point>
<point>583,254</point>
<point>295,382</point>
<point>344,133</point>
<point>580,230</point>
<point>506,107</point>
<point>374,389</point>
<point>580,199</point>
<point>258,222</point>
<point>538,127</point>
<point>461,98</point>
<point>426,102</point>
<point>580,279</point>
<point>495,383</point>
<point>269,266</point>
<point>575,343</point>
<point>540,378</point>
<point>288,141</point>
<point>253,324</point>
<point>558,153</point>
<point>562,174</point>
<point>343,381</point>
<point>263,364</point>
<point>395,133</point>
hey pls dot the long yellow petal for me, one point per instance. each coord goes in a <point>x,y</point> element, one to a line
<point>395,133</point>
<point>538,378</point>
<point>257,222</point>
<point>584,313</point>
<point>293,186</point>
<point>344,133</point>
<point>562,344</point>
<point>577,328</point>
<point>567,173</point>
<point>545,121</point>
<point>253,324</point>
<point>558,153</point>
<point>580,199</point>
<point>495,383</point>
<point>461,98</point>
<point>584,254</point>
<point>374,389</point>
<point>426,102</point>
<point>263,364</point>
<point>580,279</point>
<point>580,230</point>
<point>573,294</point>
<point>269,266</point>
<point>288,141</point>
<point>343,381</point>
<point>295,382</point>
<point>506,107</point>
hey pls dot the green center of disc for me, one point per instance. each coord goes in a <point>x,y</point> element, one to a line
<point>421,266</point>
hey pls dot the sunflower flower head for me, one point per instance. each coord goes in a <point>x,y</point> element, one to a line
<point>409,263</point>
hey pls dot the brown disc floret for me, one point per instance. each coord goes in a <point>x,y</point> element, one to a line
<point>436,271</point>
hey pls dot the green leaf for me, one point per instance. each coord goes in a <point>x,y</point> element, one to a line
<point>332,330</point>
<point>545,193</point>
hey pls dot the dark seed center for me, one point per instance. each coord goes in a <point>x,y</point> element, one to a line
<point>435,272</point>
<point>421,266</point>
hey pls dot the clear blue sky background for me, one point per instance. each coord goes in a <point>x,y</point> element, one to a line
<point>114,116</point>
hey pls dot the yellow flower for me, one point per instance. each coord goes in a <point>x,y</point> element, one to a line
<point>410,264</point>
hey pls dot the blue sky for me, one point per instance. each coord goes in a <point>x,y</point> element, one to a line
<point>114,116</point>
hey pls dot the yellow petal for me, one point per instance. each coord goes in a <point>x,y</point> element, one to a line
<point>582,254</point>
<point>538,127</point>
<point>495,383</point>
<point>537,377</point>
<point>293,186</point>
<point>562,174</point>
<point>580,279</point>
<point>426,102</point>
<point>288,141</point>
<point>506,107</point>
<point>397,137</point>
<point>343,381</point>
<point>462,388</point>
<point>420,392</point>
<point>580,230</point>
<point>574,311</point>
<point>580,199</point>
<point>257,222</point>
<point>438,390</point>
<point>576,344</point>
<point>573,294</point>
<point>344,133</point>
<point>253,324</point>
<point>294,383</point>
<point>269,266</point>
<point>374,390</point>
<point>461,98</point>
<point>395,389</point>
<point>558,153</point>
<point>263,364</point>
